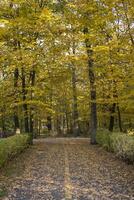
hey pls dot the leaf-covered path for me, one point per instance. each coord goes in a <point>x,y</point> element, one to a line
<point>71,169</point>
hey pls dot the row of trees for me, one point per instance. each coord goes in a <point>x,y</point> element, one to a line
<point>67,64</point>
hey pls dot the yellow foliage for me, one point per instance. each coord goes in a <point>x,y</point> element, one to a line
<point>46,14</point>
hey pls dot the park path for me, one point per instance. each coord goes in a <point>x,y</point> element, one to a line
<point>72,169</point>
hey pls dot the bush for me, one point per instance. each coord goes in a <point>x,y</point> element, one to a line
<point>103,138</point>
<point>9,147</point>
<point>119,143</point>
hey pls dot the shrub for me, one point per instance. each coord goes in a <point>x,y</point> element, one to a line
<point>121,144</point>
<point>103,138</point>
<point>3,192</point>
<point>130,132</point>
<point>9,147</point>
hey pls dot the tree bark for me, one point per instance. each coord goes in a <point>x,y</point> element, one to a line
<point>58,124</point>
<point>76,128</point>
<point>119,118</point>
<point>67,121</point>
<point>3,122</point>
<point>31,122</point>
<point>93,105</point>
<point>49,123</point>
<point>112,117</point>
<point>16,79</point>
<point>25,107</point>
<point>16,117</point>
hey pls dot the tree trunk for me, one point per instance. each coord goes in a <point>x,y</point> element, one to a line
<point>49,123</point>
<point>3,123</point>
<point>58,124</point>
<point>25,107</point>
<point>39,126</point>
<point>32,77</point>
<point>16,117</point>
<point>119,118</point>
<point>67,122</point>
<point>112,117</point>
<point>93,105</point>
<point>16,78</point>
<point>76,128</point>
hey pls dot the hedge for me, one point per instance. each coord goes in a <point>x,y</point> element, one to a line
<point>120,143</point>
<point>10,147</point>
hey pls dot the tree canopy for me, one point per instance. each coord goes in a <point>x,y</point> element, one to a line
<point>67,65</point>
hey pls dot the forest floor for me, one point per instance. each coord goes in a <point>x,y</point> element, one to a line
<point>67,169</point>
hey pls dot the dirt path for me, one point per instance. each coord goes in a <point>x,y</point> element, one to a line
<point>71,169</point>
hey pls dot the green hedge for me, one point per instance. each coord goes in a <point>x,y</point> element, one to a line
<point>9,147</point>
<point>120,143</point>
